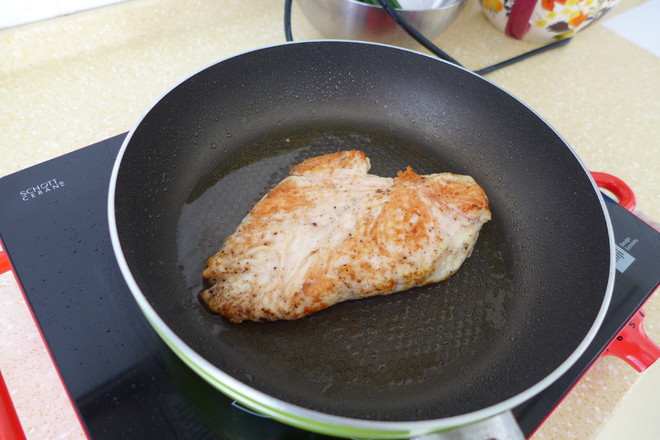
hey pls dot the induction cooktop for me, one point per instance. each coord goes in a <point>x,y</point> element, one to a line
<point>122,379</point>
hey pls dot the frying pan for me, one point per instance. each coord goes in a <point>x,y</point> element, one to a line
<point>518,313</point>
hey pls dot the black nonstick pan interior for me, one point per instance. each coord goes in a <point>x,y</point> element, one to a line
<point>515,311</point>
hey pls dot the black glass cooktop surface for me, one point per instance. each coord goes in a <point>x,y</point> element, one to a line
<point>124,381</point>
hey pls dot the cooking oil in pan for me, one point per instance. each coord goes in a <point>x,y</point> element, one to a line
<point>387,347</point>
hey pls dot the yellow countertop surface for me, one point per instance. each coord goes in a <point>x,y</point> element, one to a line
<point>71,81</point>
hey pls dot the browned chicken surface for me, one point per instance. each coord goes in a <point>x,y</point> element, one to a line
<point>331,232</point>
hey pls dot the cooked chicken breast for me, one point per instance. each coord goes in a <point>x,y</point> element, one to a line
<point>331,232</point>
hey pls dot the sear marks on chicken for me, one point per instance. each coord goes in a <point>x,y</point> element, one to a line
<point>331,232</point>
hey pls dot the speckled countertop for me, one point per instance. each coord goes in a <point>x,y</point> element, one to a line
<point>75,80</point>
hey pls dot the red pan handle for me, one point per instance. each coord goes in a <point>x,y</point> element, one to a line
<point>633,345</point>
<point>10,426</point>
<point>624,194</point>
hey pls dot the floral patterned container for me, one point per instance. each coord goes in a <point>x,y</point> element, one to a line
<point>544,21</point>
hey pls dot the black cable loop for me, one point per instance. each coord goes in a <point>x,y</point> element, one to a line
<point>410,30</point>
<point>287,20</point>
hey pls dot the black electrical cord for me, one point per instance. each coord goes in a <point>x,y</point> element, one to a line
<point>421,39</point>
<point>523,56</point>
<point>287,20</point>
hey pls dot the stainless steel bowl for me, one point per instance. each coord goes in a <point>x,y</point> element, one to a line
<point>353,20</point>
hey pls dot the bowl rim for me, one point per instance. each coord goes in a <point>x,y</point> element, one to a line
<point>445,4</point>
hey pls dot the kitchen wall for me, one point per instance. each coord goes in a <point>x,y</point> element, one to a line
<point>16,12</point>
